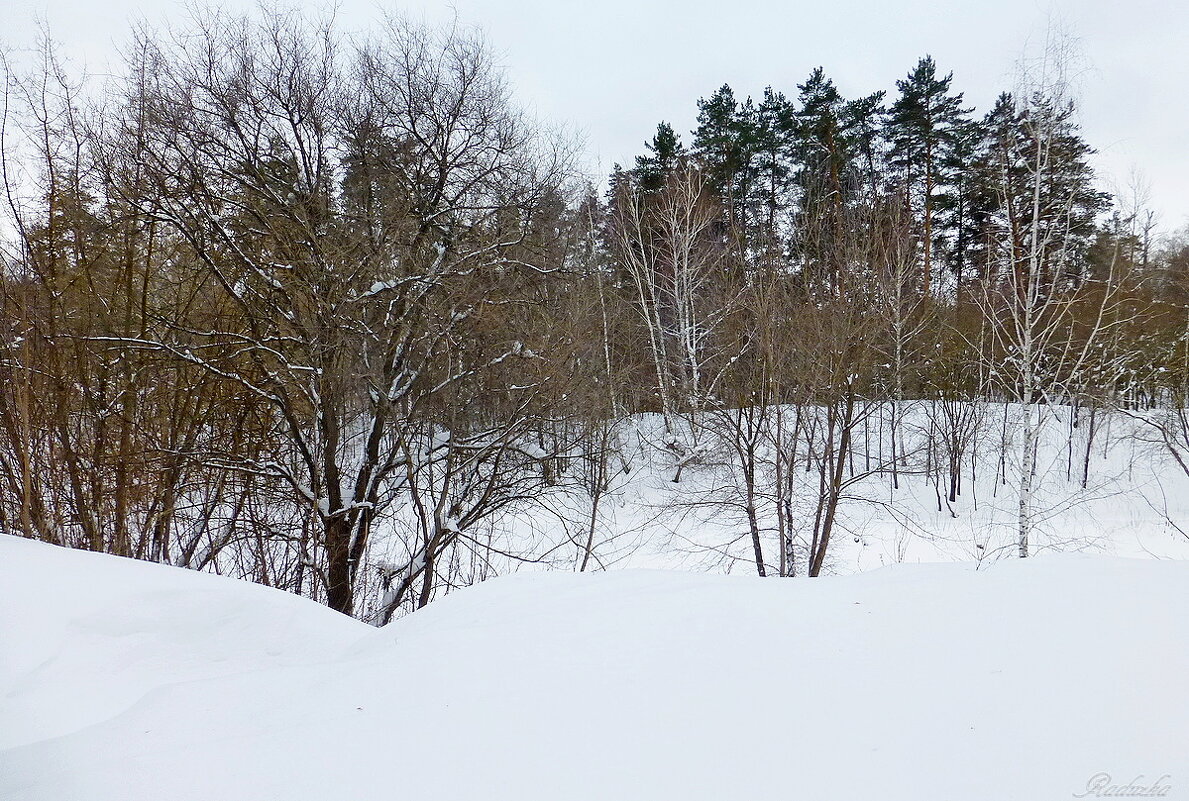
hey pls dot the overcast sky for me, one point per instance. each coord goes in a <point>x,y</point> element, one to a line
<point>611,69</point>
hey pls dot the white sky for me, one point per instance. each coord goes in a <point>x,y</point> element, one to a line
<point>612,69</point>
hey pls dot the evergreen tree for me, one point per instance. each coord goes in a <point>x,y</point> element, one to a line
<point>863,121</point>
<point>724,145</point>
<point>925,129</point>
<point>1036,165</point>
<point>1056,147</point>
<point>964,207</point>
<point>774,132</point>
<point>998,181</point>
<point>665,151</point>
<point>719,140</point>
<point>835,152</point>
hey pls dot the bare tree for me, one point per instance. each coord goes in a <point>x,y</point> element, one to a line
<point>667,244</point>
<point>1044,313</point>
<point>357,208</point>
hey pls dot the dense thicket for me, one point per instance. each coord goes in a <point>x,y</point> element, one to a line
<point>320,311</point>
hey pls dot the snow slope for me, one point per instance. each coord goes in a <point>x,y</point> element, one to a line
<point>84,636</point>
<point>1019,680</point>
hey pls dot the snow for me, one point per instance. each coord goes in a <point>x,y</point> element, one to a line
<point>1013,680</point>
<point>85,636</point>
<point>377,287</point>
<point>1136,503</point>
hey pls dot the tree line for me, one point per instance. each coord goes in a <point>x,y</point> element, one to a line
<point>322,310</point>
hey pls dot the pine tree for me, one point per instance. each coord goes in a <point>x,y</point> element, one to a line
<point>718,140</point>
<point>964,207</point>
<point>1036,164</point>
<point>835,153</point>
<point>774,132</point>
<point>665,151</point>
<point>724,145</point>
<point>925,129</point>
<point>863,122</point>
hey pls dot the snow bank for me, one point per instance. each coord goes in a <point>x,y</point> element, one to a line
<point>1021,680</point>
<point>84,636</point>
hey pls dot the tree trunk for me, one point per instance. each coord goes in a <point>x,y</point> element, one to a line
<point>1026,479</point>
<point>340,594</point>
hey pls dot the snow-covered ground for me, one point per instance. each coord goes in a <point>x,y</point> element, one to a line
<point>1135,502</point>
<point>1011,680</point>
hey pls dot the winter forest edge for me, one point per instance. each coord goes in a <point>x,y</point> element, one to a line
<point>330,313</point>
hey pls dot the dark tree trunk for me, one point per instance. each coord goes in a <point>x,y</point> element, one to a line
<point>340,594</point>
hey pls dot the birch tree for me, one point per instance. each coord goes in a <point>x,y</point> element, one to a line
<point>668,245</point>
<point>1044,313</point>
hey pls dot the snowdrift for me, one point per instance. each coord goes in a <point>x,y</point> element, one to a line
<point>1018,680</point>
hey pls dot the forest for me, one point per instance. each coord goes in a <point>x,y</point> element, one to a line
<point>333,313</point>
